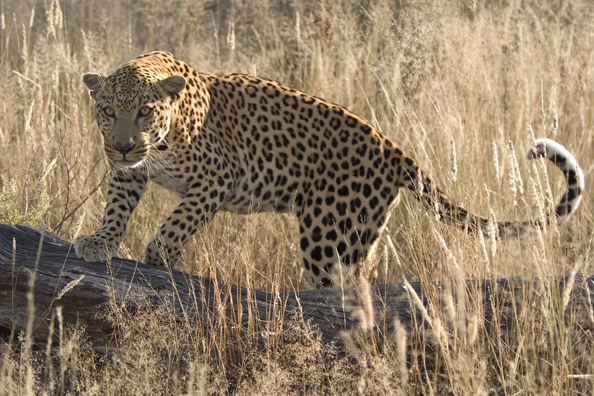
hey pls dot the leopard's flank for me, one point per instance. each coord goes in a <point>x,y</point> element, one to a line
<point>246,144</point>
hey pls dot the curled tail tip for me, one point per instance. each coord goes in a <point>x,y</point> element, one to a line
<point>557,154</point>
<point>547,148</point>
<point>565,161</point>
<point>554,152</point>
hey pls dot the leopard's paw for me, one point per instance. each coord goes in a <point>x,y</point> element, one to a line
<point>158,255</point>
<point>94,249</point>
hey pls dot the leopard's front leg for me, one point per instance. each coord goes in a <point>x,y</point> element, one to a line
<point>195,210</point>
<point>125,190</point>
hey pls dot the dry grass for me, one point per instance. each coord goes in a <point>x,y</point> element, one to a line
<point>453,83</point>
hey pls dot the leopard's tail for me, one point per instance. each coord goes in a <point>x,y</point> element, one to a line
<point>445,210</point>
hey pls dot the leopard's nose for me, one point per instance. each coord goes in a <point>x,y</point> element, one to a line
<point>123,147</point>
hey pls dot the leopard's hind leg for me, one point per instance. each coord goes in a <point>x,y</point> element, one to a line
<point>337,237</point>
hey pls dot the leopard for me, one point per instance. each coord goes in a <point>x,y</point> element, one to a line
<point>245,144</point>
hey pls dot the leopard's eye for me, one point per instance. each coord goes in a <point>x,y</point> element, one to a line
<point>109,111</point>
<point>145,111</point>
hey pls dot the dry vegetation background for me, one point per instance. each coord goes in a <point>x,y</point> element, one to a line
<point>462,86</point>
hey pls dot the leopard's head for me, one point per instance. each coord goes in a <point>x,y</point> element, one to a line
<point>134,112</point>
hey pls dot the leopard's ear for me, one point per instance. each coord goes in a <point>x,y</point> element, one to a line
<point>171,86</point>
<point>94,82</point>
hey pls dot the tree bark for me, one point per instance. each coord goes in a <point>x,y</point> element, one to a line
<point>83,290</point>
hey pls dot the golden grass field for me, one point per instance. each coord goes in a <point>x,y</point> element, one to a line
<point>462,86</point>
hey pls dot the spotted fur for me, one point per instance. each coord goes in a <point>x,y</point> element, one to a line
<point>245,144</point>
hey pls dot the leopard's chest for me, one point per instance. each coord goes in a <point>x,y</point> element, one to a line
<point>172,178</point>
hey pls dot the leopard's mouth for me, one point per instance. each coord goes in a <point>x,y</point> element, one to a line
<point>130,159</point>
<point>144,154</point>
<point>122,161</point>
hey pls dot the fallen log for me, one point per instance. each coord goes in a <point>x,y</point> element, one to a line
<point>46,264</point>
